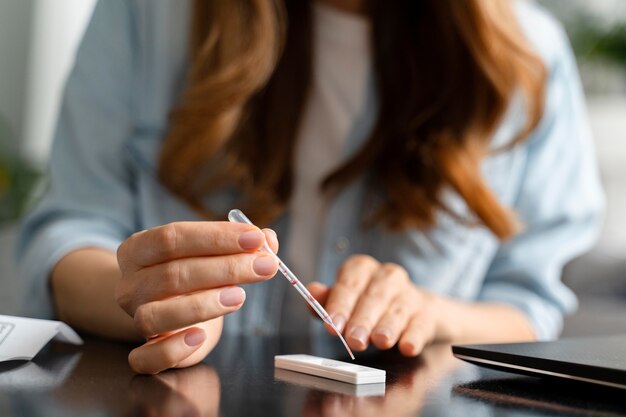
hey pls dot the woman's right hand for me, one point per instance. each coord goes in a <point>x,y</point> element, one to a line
<point>180,279</point>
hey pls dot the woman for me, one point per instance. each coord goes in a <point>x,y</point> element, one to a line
<point>427,163</point>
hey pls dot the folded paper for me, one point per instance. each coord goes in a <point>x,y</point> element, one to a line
<point>22,338</point>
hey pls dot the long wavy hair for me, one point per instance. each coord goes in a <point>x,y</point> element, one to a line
<point>446,72</point>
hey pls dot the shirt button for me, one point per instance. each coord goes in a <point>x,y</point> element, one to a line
<point>341,244</point>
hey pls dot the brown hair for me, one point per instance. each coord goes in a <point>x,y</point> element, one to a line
<point>445,74</point>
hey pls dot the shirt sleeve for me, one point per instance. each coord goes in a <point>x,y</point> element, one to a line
<point>560,203</point>
<point>89,196</point>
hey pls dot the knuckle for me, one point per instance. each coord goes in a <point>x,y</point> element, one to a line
<point>231,268</point>
<point>198,309</point>
<point>125,251</point>
<point>121,253</point>
<point>171,276</point>
<point>361,261</point>
<point>167,239</point>
<point>344,267</point>
<point>145,319</point>
<point>394,271</point>
<point>390,268</point>
<point>347,284</point>
<point>123,298</point>
<point>375,292</point>
<point>398,311</point>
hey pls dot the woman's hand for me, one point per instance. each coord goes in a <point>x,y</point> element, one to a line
<point>178,280</point>
<point>377,302</point>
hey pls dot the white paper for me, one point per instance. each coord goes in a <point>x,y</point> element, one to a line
<point>22,338</point>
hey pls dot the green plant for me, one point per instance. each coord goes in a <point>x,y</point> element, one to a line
<point>17,178</point>
<point>592,40</point>
<point>595,35</point>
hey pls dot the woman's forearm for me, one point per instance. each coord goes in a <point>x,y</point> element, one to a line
<point>481,322</point>
<point>83,286</point>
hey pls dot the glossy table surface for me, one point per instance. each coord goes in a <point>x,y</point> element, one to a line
<point>239,379</point>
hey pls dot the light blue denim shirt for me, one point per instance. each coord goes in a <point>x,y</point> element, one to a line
<point>129,71</point>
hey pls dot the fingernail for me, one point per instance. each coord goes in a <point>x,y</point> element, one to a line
<point>195,338</point>
<point>340,321</point>
<point>359,334</point>
<point>410,348</point>
<point>273,238</point>
<point>264,265</point>
<point>251,239</point>
<point>233,296</point>
<point>383,332</point>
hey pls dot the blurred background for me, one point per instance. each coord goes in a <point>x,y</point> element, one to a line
<point>597,30</point>
<point>37,43</point>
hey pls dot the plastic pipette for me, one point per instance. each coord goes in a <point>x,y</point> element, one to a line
<point>237,216</point>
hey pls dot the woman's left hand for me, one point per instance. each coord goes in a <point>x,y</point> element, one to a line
<point>377,302</point>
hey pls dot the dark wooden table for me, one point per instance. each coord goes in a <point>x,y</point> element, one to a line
<point>239,379</point>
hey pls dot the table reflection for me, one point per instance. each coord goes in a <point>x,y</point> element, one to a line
<point>329,385</point>
<point>531,396</point>
<point>183,392</point>
<point>45,372</point>
<point>239,378</point>
<point>196,391</point>
<point>411,381</point>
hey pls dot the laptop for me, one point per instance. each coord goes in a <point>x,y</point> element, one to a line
<point>598,360</point>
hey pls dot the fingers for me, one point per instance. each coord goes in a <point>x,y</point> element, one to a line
<point>419,332</point>
<point>381,305</point>
<point>393,322</point>
<point>174,313</point>
<point>353,278</point>
<point>182,274</point>
<point>388,282</point>
<point>167,352</point>
<point>189,275</point>
<point>188,239</point>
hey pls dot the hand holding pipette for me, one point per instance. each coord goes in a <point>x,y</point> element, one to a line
<point>236,216</point>
<point>178,281</point>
